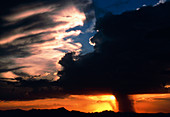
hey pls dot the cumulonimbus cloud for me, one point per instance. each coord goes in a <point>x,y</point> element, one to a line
<point>132,56</point>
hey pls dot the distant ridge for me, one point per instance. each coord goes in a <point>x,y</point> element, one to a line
<point>62,109</point>
<point>62,112</point>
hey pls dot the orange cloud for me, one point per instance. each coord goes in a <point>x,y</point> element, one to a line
<point>72,15</point>
<point>8,74</point>
<point>27,13</point>
<point>47,54</point>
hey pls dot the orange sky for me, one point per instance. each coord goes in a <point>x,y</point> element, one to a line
<point>143,103</point>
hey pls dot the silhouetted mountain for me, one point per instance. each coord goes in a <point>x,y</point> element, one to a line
<point>62,112</point>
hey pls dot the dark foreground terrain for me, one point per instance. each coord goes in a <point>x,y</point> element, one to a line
<point>62,112</point>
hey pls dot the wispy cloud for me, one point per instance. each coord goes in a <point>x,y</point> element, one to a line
<point>27,13</point>
<point>39,35</point>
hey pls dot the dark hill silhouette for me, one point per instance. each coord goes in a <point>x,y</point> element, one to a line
<point>62,112</point>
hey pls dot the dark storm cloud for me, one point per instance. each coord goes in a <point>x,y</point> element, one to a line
<point>132,56</point>
<point>29,90</point>
<point>135,50</point>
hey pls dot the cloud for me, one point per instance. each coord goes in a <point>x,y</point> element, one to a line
<point>34,36</point>
<point>27,13</point>
<point>38,34</point>
<point>30,90</point>
<point>5,70</point>
<point>131,56</point>
<point>160,2</point>
<point>120,6</point>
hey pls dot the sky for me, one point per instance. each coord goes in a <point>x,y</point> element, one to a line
<point>42,32</point>
<point>36,35</point>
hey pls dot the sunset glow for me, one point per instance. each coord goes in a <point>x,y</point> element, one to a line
<point>151,103</point>
<point>143,103</point>
<point>74,102</point>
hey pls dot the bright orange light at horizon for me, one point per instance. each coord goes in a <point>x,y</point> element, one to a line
<point>81,103</point>
<point>105,102</point>
<point>151,103</point>
<point>143,103</point>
